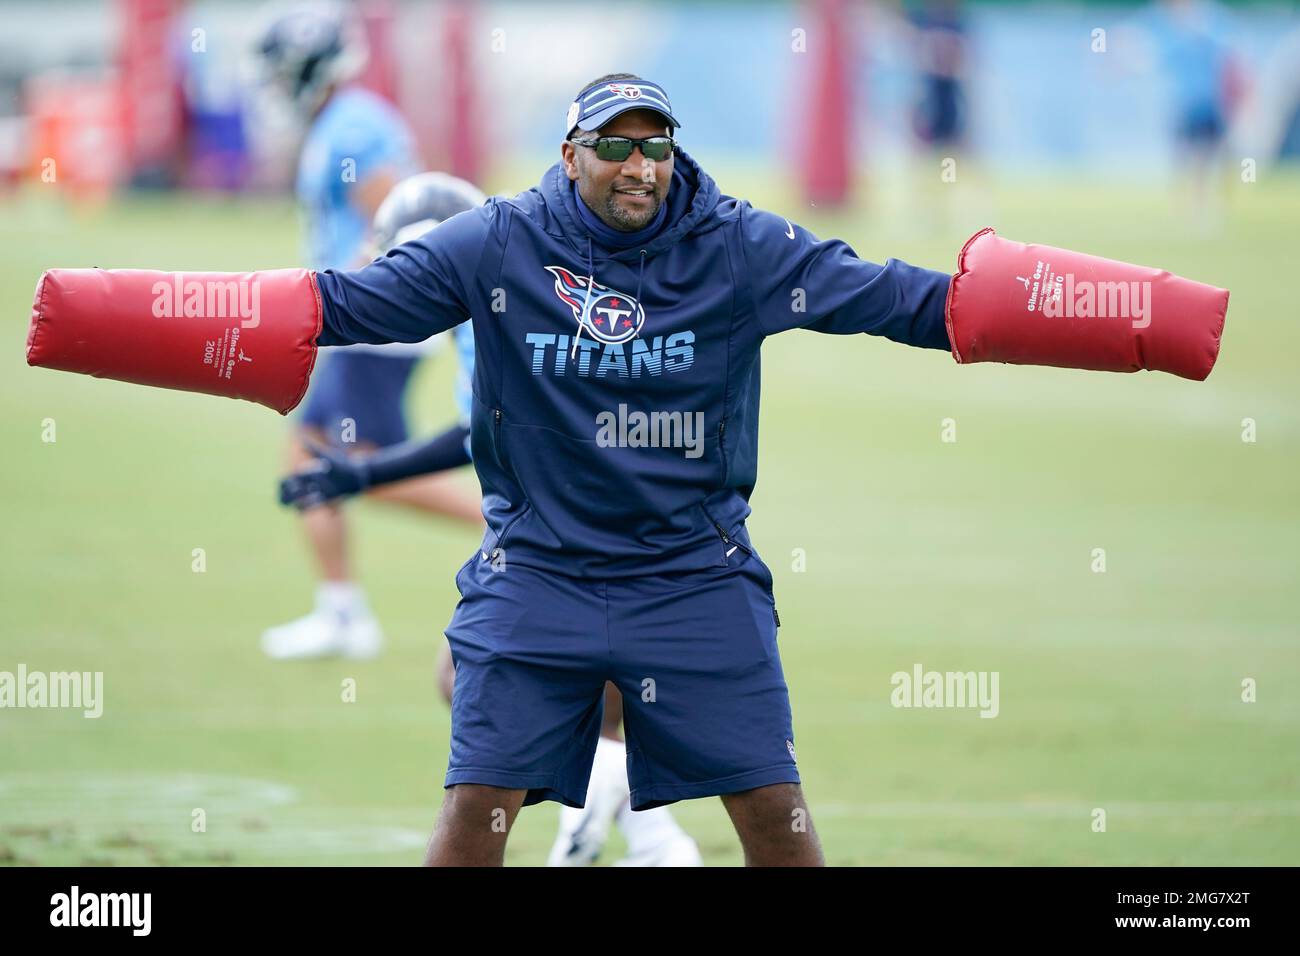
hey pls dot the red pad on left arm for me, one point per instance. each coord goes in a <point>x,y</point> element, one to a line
<point>249,335</point>
<point>1039,305</point>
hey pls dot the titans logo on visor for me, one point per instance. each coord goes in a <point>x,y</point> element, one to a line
<point>610,316</point>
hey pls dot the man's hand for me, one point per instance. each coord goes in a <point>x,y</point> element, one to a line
<point>332,475</point>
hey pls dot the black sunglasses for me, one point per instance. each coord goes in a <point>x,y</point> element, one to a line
<point>618,148</point>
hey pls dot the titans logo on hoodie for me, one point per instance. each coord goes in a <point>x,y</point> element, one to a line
<point>611,316</point>
<point>563,345</point>
<point>608,318</point>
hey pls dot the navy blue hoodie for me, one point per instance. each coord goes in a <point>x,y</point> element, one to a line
<point>572,479</point>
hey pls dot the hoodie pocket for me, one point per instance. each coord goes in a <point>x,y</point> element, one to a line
<point>730,544</point>
<point>498,441</point>
<point>722,450</point>
<point>497,554</point>
<point>740,555</point>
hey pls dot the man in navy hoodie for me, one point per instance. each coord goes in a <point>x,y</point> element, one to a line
<point>618,311</point>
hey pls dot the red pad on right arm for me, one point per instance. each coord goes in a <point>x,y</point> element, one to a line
<point>1039,305</point>
<point>249,335</point>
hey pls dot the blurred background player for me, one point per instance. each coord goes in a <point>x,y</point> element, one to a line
<point>356,148</point>
<point>416,205</point>
<point>939,114</point>
<point>1207,86</point>
<point>1187,45</point>
<point>937,35</point>
<point>328,475</point>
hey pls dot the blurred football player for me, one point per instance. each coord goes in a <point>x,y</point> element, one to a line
<point>1184,46</point>
<point>937,35</point>
<point>356,148</point>
<point>1207,85</point>
<point>939,113</point>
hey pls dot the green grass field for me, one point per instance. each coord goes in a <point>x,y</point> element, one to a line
<point>1119,690</point>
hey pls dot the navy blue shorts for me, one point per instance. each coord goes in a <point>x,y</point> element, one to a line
<point>705,705</point>
<point>362,386</point>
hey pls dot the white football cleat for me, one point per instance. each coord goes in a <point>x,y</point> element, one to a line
<point>678,850</point>
<point>583,831</point>
<point>582,836</point>
<point>321,634</point>
<point>362,638</point>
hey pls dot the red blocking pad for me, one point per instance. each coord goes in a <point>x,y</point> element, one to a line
<point>1028,304</point>
<point>249,335</point>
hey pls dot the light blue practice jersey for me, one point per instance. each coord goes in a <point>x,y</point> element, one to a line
<point>356,135</point>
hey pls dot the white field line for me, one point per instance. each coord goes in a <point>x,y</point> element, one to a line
<point>241,813</point>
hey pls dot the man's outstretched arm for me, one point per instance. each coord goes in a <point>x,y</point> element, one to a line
<point>416,290</point>
<point>1008,302</point>
<point>251,335</point>
<point>801,282</point>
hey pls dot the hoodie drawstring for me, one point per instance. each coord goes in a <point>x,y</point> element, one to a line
<point>639,273</point>
<point>591,281</point>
